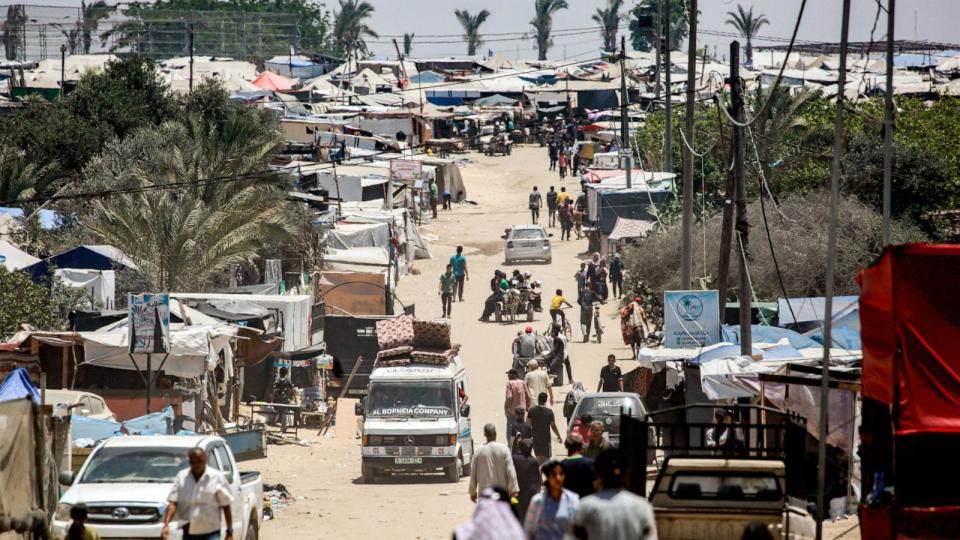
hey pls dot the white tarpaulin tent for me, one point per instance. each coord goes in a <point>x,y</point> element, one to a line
<point>100,285</point>
<point>353,235</point>
<point>13,258</point>
<point>194,350</point>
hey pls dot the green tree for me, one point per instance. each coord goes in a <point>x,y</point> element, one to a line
<point>471,28</point>
<point>350,26</point>
<point>23,178</point>
<point>407,43</point>
<point>80,35</point>
<point>24,302</point>
<point>609,20</point>
<point>645,38</point>
<point>542,23</point>
<point>748,25</point>
<point>232,207</point>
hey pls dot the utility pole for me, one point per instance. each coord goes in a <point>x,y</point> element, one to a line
<point>625,152</point>
<point>63,69</point>
<point>888,126</point>
<point>668,123</point>
<point>831,265</point>
<point>190,46</point>
<point>686,253</point>
<point>742,227</point>
<point>659,49</point>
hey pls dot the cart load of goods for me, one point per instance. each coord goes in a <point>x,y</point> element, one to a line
<point>404,340</point>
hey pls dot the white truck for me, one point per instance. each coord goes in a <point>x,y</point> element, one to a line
<point>415,419</point>
<point>126,480</point>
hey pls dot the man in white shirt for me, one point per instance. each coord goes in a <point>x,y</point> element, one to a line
<point>197,498</point>
<point>537,381</point>
<point>492,466</point>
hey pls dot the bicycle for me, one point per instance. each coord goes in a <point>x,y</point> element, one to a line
<point>596,322</point>
<point>567,329</point>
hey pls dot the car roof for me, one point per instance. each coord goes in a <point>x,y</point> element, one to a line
<point>757,465</point>
<point>520,227</point>
<point>73,394</point>
<point>610,395</point>
<point>165,441</point>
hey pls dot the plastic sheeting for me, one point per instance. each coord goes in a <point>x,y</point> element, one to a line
<point>94,429</point>
<point>17,385</point>
<point>352,235</point>
<point>769,334</point>
<point>353,293</point>
<point>14,258</point>
<point>193,351</point>
<point>100,285</point>
<point>18,466</point>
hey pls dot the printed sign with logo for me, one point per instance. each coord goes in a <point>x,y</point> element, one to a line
<point>405,170</point>
<point>691,319</point>
<point>149,323</point>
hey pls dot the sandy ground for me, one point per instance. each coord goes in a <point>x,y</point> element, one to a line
<point>324,476</point>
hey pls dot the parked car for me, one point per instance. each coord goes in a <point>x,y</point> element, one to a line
<point>80,403</point>
<point>606,407</point>
<point>527,243</point>
<point>126,480</point>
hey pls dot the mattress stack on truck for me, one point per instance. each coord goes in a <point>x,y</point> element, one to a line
<point>404,340</point>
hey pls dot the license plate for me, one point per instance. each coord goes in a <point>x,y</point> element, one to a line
<point>408,461</point>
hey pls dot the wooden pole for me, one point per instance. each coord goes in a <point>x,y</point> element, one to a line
<point>686,251</point>
<point>742,226</point>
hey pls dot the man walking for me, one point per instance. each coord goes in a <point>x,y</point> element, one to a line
<point>492,466</point>
<point>460,271</point>
<point>536,201</point>
<point>578,469</point>
<point>616,276</point>
<point>447,284</point>
<point>538,381</point>
<point>198,497</point>
<point>611,378</point>
<point>541,419</point>
<point>553,152</point>
<point>434,197</point>
<point>585,300</point>
<point>517,397</point>
<point>613,513</point>
<point>552,207</point>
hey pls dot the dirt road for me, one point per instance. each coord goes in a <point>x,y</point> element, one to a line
<point>331,500</point>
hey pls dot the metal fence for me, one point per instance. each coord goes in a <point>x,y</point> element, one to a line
<point>35,32</point>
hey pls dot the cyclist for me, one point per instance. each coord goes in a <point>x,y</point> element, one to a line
<point>556,304</point>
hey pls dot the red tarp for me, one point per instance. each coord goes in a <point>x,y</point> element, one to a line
<point>910,300</point>
<point>269,80</point>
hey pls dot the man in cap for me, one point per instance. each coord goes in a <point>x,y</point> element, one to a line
<point>538,381</point>
<point>528,344</point>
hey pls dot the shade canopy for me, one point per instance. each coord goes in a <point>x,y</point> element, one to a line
<point>269,80</point>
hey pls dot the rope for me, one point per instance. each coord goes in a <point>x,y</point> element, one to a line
<point>746,269</point>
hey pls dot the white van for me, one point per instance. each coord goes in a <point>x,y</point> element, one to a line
<point>415,420</point>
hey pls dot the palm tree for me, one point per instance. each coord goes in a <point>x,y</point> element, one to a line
<point>542,22</point>
<point>748,25</point>
<point>783,119</point>
<point>184,238</point>
<point>22,177</point>
<point>609,20</point>
<point>14,31</point>
<point>407,44</point>
<point>92,14</point>
<point>350,26</point>
<point>471,28</point>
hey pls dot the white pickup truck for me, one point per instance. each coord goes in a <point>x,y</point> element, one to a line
<point>126,480</point>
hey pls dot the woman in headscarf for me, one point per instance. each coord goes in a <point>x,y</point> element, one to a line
<point>570,402</point>
<point>492,520</point>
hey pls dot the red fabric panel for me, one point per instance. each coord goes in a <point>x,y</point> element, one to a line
<point>926,301</point>
<point>877,329</point>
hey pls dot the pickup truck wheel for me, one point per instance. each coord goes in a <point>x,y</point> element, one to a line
<point>453,471</point>
<point>368,473</point>
<point>252,533</point>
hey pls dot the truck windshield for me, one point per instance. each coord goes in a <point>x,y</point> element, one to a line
<point>725,487</point>
<point>393,399</point>
<point>135,465</point>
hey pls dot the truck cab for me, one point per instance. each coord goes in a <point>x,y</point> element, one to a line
<point>416,419</point>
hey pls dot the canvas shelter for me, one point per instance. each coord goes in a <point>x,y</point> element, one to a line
<point>88,257</point>
<point>13,258</point>
<point>269,80</point>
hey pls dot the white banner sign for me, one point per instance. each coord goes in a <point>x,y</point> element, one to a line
<point>691,319</point>
<point>405,170</point>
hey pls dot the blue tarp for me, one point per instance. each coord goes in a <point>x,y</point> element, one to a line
<point>83,257</point>
<point>158,423</point>
<point>769,334</point>
<point>843,338</point>
<point>17,385</point>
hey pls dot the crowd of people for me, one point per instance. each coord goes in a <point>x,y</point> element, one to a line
<point>520,496</point>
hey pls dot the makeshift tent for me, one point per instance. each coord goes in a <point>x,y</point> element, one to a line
<point>20,495</point>
<point>809,312</point>
<point>88,257</point>
<point>17,385</point>
<point>496,100</point>
<point>269,80</point>
<point>909,306</point>
<point>352,293</point>
<point>99,285</point>
<point>13,258</point>
<point>351,235</point>
<point>194,350</point>
<point>630,228</point>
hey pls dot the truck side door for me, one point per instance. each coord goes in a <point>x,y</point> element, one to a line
<point>229,470</point>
